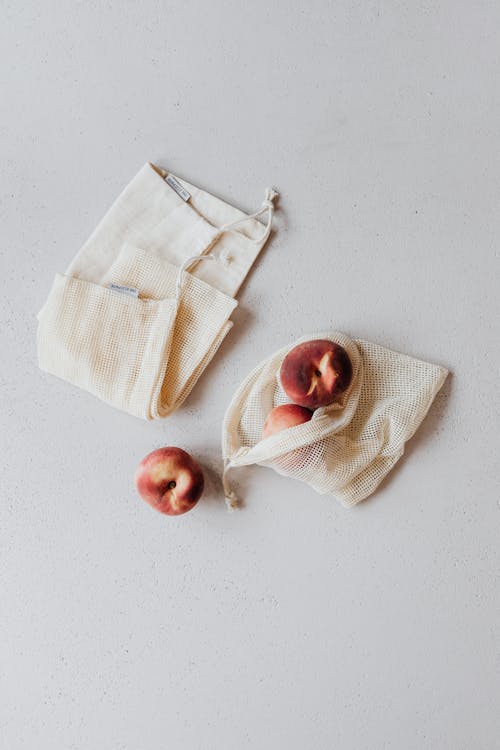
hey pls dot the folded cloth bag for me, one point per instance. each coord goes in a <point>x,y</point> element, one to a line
<point>347,448</point>
<point>127,321</point>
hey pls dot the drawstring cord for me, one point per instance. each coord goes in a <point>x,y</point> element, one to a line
<point>267,205</point>
<point>187,263</point>
<point>224,258</point>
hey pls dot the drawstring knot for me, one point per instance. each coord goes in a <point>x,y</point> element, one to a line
<point>267,205</point>
<point>232,501</point>
<point>271,195</point>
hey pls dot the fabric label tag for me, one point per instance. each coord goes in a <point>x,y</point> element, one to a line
<point>130,290</point>
<point>176,185</point>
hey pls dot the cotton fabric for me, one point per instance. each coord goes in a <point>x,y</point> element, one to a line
<point>144,353</point>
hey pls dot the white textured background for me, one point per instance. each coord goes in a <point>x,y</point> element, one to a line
<point>295,624</point>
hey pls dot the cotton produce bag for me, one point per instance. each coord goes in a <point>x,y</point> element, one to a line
<point>146,303</point>
<point>347,448</point>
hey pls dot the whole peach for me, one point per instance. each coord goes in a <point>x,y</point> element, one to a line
<point>170,480</point>
<point>316,373</point>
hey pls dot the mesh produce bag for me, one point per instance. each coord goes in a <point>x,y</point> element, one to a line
<point>347,448</point>
<point>140,313</point>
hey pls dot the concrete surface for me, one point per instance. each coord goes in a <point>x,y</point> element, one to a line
<point>294,624</point>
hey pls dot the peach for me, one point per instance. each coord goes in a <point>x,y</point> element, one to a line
<point>170,480</point>
<point>316,373</point>
<point>282,417</point>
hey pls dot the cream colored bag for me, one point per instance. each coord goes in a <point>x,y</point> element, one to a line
<point>348,447</point>
<point>127,322</point>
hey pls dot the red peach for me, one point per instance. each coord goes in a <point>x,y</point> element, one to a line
<point>282,417</point>
<point>316,373</point>
<point>170,480</point>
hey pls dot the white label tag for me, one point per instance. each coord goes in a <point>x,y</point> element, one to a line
<point>176,185</point>
<point>130,290</point>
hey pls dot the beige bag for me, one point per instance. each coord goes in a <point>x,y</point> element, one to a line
<point>348,447</point>
<point>127,322</point>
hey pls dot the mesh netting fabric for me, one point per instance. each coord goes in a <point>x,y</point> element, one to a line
<point>142,355</point>
<point>347,448</point>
